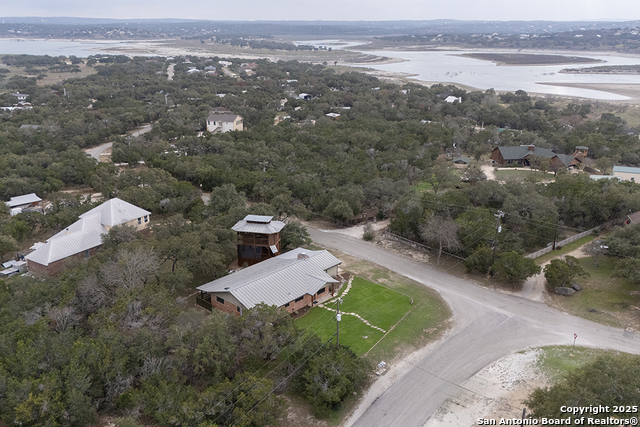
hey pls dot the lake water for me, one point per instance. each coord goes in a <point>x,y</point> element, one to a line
<point>450,67</point>
<point>55,47</point>
<point>440,66</point>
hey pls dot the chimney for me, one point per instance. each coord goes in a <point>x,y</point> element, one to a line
<point>531,147</point>
<point>302,255</point>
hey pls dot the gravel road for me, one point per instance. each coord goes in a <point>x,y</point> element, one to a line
<point>488,326</point>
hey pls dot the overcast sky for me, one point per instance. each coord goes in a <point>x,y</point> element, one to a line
<point>338,10</point>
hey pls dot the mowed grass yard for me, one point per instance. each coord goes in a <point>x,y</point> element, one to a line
<point>605,299</point>
<point>521,175</point>
<point>383,307</point>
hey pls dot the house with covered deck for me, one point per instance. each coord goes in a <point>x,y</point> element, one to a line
<point>291,281</point>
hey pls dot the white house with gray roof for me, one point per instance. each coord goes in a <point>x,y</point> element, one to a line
<point>220,122</point>
<point>626,173</point>
<point>82,238</point>
<point>292,280</point>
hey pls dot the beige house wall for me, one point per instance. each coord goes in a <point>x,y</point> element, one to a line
<point>626,176</point>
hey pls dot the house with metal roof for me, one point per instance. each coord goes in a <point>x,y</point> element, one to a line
<point>292,281</point>
<point>218,122</point>
<point>260,238</point>
<point>27,202</point>
<point>520,155</point>
<point>626,173</point>
<point>83,238</point>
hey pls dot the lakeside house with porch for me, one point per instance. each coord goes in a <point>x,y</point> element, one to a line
<point>291,281</point>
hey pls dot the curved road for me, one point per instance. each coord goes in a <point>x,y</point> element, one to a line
<point>488,326</point>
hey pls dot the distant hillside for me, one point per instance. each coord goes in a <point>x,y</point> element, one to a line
<point>74,27</point>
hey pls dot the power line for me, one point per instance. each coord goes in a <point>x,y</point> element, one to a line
<point>282,382</point>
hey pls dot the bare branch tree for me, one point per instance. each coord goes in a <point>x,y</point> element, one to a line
<point>62,318</point>
<point>131,269</point>
<point>441,231</point>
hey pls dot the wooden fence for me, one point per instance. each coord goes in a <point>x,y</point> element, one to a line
<point>416,245</point>
<point>568,240</point>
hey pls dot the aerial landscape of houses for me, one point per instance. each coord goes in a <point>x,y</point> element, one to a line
<point>399,220</point>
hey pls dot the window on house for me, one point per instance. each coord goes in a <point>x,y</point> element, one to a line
<point>87,254</point>
<point>238,308</point>
<point>146,218</point>
<point>139,220</point>
<point>286,305</point>
<point>298,299</point>
<point>321,291</point>
<point>220,300</point>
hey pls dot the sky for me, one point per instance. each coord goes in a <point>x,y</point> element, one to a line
<point>331,10</point>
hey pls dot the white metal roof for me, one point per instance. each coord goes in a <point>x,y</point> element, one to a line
<point>116,211</point>
<point>258,218</point>
<point>258,224</point>
<point>82,235</point>
<point>86,233</point>
<point>23,200</point>
<point>278,280</point>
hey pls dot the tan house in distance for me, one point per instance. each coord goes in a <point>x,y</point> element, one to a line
<point>82,238</point>
<point>292,281</point>
<point>626,173</point>
<point>223,122</point>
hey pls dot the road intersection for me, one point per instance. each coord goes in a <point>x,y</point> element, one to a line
<point>488,326</point>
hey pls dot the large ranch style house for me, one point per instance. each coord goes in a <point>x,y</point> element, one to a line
<point>291,281</point>
<point>223,121</point>
<point>260,238</point>
<point>520,155</point>
<point>83,238</point>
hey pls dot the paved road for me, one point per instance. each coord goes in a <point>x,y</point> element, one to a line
<point>96,151</point>
<point>488,326</point>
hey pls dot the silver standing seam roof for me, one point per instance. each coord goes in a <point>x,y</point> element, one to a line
<point>23,200</point>
<point>625,169</point>
<point>258,224</point>
<point>86,233</point>
<point>278,280</point>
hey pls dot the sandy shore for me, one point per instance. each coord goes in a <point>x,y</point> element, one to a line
<point>625,89</point>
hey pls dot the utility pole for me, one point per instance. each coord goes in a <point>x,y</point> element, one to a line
<point>555,234</point>
<point>499,215</point>
<point>264,166</point>
<point>338,317</point>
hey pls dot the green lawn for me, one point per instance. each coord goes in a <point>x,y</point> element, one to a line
<point>557,361</point>
<point>565,249</point>
<point>382,306</point>
<point>521,175</point>
<point>422,186</point>
<point>604,299</point>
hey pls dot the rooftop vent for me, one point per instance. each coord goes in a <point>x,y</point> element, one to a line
<point>302,255</point>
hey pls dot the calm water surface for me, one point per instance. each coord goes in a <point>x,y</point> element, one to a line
<point>55,47</point>
<point>450,67</point>
<point>441,66</point>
